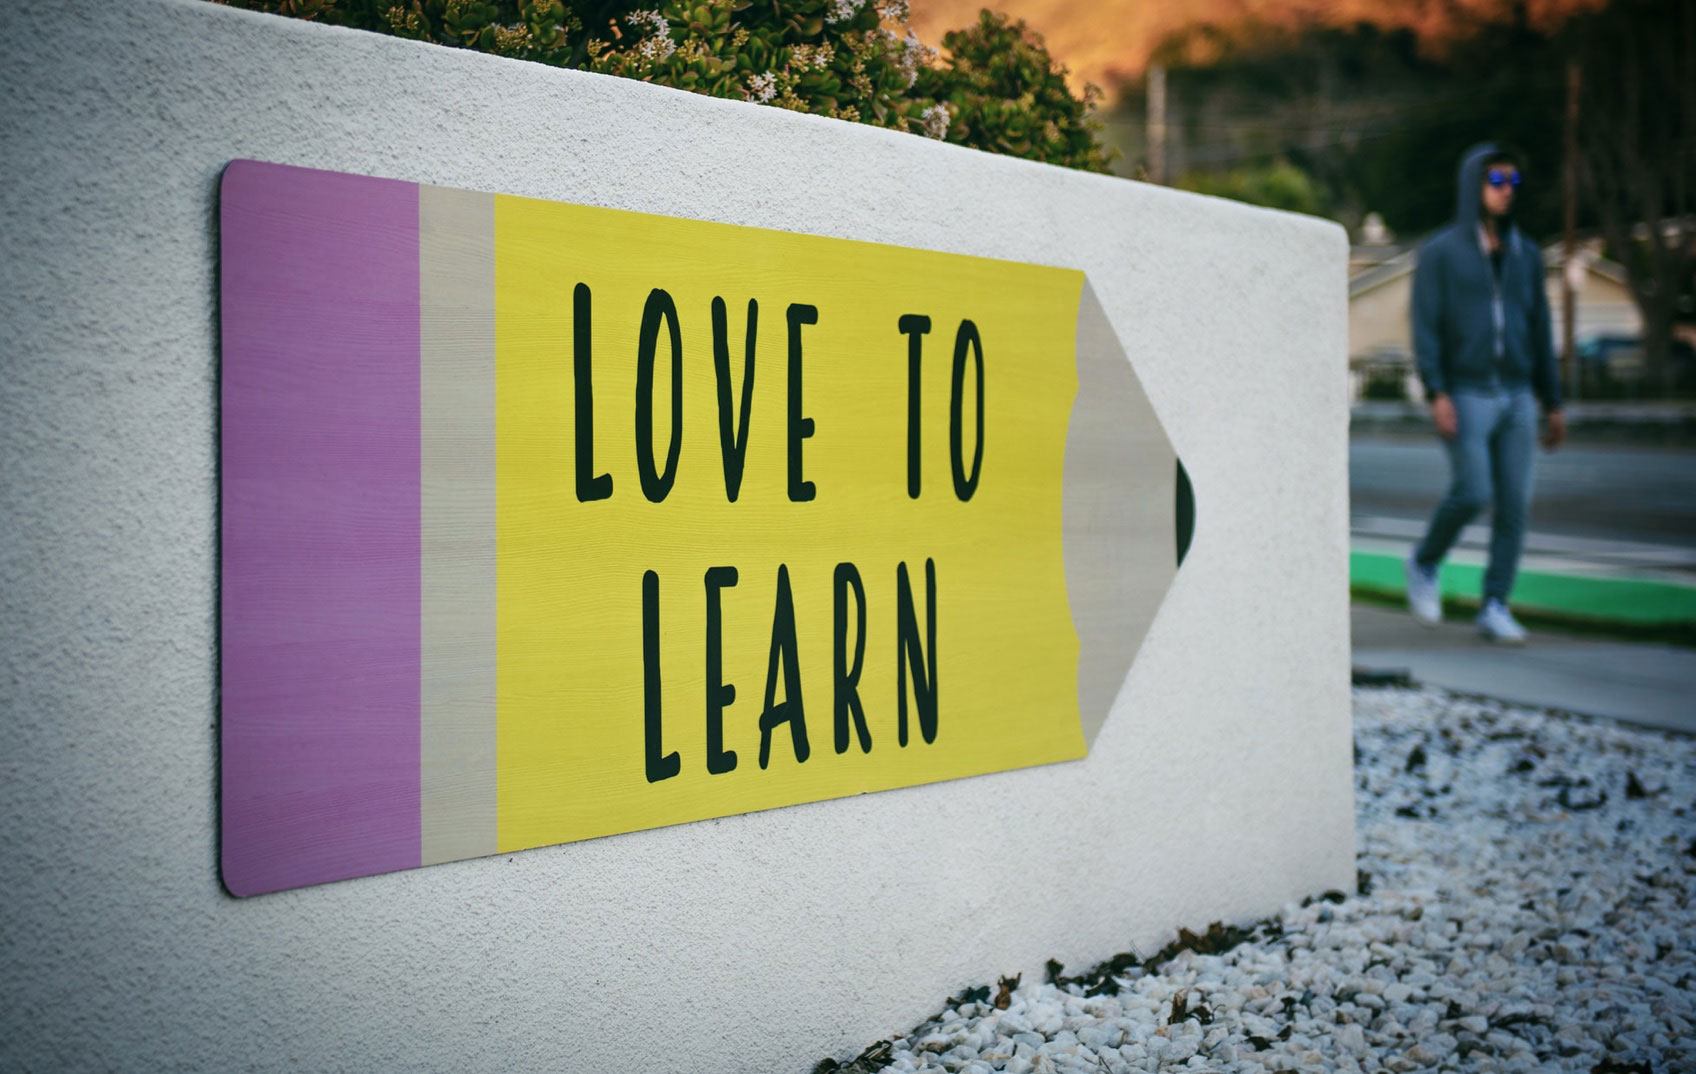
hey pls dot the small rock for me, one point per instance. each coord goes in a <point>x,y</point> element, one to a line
<point>1352,1039</point>
<point>1505,931</point>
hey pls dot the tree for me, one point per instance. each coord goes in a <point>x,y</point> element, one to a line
<point>846,59</point>
<point>1376,116</point>
<point>1637,158</point>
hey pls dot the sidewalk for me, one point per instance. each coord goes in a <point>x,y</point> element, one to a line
<point>1655,422</point>
<point>1583,580</point>
<point>1636,682</point>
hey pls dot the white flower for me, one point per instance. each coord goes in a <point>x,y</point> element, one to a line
<point>934,122</point>
<point>658,44</point>
<point>762,87</point>
<point>892,10</point>
<point>914,54</point>
<point>652,20</point>
<point>655,49</point>
<point>843,10</point>
<point>812,57</point>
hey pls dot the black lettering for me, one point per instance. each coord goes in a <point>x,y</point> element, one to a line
<point>913,326</point>
<point>656,486</point>
<point>908,651</point>
<point>966,337</point>
<point>733,437</point>
<point>669,765</point>
<point>719,693</point>
<point>800,489</point>
<point>784,651</point>
<point>589,486</point>
<point>847,676</point>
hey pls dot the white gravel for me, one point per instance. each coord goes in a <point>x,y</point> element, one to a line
<point>1530,881</point>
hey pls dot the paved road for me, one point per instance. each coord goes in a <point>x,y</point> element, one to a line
<point>1613,493</point>
<point>1639,683</point>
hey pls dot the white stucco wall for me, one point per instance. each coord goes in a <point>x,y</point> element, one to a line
<point>1219,788</point>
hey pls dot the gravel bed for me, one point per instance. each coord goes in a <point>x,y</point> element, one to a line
<point>1525,904</point>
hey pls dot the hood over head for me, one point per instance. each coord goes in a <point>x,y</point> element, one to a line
<point>1469,179</point>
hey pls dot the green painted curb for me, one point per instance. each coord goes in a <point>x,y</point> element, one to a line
<point>1636,601</point>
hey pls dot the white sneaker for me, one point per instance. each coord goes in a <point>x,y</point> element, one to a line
<point>1496,624</point>
<point>1423,597</point>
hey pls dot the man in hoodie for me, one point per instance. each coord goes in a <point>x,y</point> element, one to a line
<point>1482,341</point>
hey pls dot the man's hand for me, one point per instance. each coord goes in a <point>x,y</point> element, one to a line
<point>1443,413</point>
<point>1554,430</point>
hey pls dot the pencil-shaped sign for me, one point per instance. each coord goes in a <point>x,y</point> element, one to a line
<point>544,522</point>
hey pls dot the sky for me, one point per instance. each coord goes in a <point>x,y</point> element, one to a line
<point>1103,41</point>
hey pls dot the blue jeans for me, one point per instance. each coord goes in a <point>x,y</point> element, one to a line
<point>1491,460</point>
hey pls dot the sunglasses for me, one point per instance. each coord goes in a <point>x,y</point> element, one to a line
<point>1502,177</point>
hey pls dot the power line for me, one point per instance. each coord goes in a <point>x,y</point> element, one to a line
<point>1203,154</point>
<point>1370,121</point>
<point>1361,122</point>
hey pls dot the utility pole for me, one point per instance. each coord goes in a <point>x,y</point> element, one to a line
<point>1569,298</point>
<point>1156,123</point>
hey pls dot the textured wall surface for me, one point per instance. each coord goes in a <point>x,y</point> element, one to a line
<point>1219,788</point>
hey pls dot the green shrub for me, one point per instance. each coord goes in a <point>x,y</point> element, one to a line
<point>1279,185</point>
<point>849,59</point>
<point>1385,384</point>
<point>1006,95</point>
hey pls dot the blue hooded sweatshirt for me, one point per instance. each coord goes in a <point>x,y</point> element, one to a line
<point>1471,327</point>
